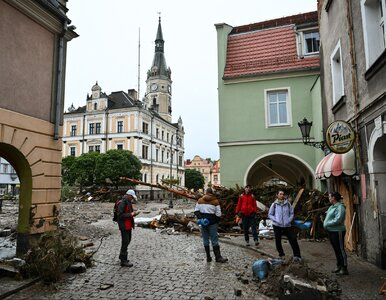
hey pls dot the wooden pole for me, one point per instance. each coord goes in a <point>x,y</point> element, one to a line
<point>285,179</point>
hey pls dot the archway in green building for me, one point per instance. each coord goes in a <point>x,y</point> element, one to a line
<point>280,168</point>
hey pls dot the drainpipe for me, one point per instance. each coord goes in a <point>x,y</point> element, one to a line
<point>84,127</point>
<point>59,81</point>
<point>354,79</point>
<point>107,129</point>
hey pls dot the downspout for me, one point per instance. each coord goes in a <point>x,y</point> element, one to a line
<point>59,81</point>
<point>107,129</point>
<point>84,121</point>
<point>354,79</point>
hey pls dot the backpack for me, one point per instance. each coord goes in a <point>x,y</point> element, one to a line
<point>287,203</point>
<point>115,210</point>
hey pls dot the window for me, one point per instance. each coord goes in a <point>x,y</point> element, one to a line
<point>91,128</point>
<point>215,178</point>
<point>162,155</point>
<point>145,177</point>
<point>73,130</point>
<point>5,168</point>
<point>90,149</point>
<point>157,133</point>
<point>311,42</point>
<point>162,135</point>
<point>95,106</point>
<point>278,108</point>
<point>337,74</point>
<point>373,18</point>
<point>156,154</point>
<point>72,151</point>
<point>145,150</point>
<point>167,136</point>
<point>97,128</point>
<point>98,148</point>
<point>120,146</point>
<point>180,161</point>
<point>145,128</point>
<point>120,126</point>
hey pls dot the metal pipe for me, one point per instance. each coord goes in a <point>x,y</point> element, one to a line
<point>59,81</point>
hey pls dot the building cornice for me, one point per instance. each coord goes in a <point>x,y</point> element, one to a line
<point>260,142</point>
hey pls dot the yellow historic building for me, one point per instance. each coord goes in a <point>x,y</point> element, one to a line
<point>121,121</point>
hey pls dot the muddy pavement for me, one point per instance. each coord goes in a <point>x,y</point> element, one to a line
<point>166,266</point>
<point>172,265</point>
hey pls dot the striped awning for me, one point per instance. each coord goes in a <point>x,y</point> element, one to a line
<point>335,164</point>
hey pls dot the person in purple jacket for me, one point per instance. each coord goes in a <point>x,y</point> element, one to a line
<point>281,214</point>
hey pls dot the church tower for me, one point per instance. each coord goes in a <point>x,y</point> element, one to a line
<point>159,82</point>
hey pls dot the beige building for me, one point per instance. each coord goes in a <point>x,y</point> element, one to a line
<point>209,169</point>
<point>121,121</point>
<point>34,36</point>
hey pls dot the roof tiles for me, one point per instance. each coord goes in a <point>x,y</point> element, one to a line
<point>267,49</point>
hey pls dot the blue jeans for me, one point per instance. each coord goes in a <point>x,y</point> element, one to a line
<point>249,221</point>
<point>209,231</point>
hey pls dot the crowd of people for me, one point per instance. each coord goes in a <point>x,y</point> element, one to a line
<point>281,213</point>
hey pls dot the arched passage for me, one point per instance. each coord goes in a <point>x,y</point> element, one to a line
<point>280,167</point>
<point>23,170</point>
<point>377,191</point>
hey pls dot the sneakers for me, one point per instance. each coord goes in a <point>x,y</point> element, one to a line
<point>126,263</point>
<point>247,244</point>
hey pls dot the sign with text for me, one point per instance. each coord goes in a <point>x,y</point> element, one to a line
<point>340,137</point>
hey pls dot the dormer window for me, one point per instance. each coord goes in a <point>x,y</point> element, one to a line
<point>308,42</point>
<point>311,42</point>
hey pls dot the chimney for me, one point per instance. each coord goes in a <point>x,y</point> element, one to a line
<point>133,94</point>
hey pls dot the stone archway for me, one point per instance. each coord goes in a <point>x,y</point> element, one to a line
<point>28,144</point>
<point>283,166</point>
<point>377,172</point>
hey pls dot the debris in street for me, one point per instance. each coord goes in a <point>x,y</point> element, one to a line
<point>105,286</point>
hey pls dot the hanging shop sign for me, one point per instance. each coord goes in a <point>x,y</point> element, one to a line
<point>340,137</point>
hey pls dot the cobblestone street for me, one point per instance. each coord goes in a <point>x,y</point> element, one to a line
<point>165,267</point>
<point>173,266</point>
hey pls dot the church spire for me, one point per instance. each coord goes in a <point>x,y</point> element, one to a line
<point>159,68</point>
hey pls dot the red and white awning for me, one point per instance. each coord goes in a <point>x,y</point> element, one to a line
<point>335,164</point>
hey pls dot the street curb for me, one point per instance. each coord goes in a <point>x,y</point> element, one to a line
<point>21,287</point>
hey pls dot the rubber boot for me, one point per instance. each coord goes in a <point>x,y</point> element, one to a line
<point>343,271</point>
<point>124,261</point>
<point>217,254</point>
<point>207,250</point>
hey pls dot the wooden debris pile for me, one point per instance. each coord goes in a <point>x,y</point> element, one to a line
<point>309,205</point>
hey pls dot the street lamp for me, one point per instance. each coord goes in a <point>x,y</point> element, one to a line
<point>305,128</point>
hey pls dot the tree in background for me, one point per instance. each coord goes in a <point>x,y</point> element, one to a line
<point>68,172</point>
<point>84,166</point>
<point>115,164</point>
<point>94,168</point>
<point>194,179</point>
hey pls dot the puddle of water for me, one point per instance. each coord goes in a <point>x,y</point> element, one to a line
<point>7,248</point>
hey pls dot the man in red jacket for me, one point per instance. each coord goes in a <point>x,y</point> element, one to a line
<point>246,209</point>
<point>126,215</point>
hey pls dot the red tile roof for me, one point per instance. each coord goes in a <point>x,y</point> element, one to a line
<point>267,47</point>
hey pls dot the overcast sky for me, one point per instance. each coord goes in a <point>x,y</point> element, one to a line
<point>107,51</point>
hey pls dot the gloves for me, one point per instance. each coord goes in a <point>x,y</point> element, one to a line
<point>203,222</point>
<point>198,214</point>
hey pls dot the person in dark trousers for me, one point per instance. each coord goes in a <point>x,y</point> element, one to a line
<point>208,207</point>
<point>281,214</point>
<point>126,215</point>
<point>246,209</point>
<point>334,224</point>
